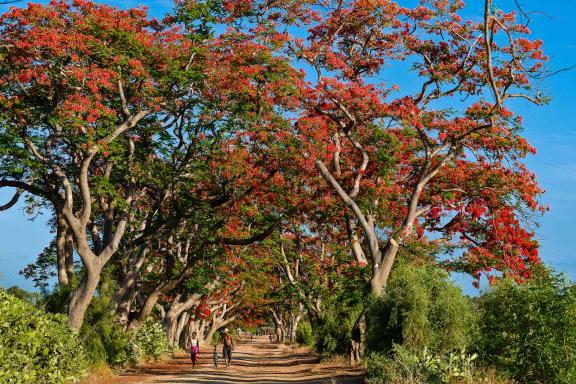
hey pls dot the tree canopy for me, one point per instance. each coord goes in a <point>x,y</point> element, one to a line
<point>256,160</point>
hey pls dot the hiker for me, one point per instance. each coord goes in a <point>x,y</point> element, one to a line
<point>215,356</point>
<point>194,349</point>
<point>227,347</point>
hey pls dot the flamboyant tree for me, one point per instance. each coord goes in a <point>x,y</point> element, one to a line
<point>80,83</point>
<point>439,160</point>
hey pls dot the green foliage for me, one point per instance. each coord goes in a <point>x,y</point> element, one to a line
<point>149,342</point>
<point>216,337</point>
<point>105,341</point>
<point>304,333</point>
<point>342,305</point>
<point>36,347</point>
<point>405,366</point>
<point>530,330</point>
<point>421,308</point>
<point>333,331</point>
<point>22,294</point>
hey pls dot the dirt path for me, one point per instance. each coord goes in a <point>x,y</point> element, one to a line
<point>253,362</point>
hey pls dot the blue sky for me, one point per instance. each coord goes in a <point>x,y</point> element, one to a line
<point>551,129</point>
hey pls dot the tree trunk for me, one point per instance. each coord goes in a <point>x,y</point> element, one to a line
<point>198,326</point>
<point>82,296</point>
<point>380,273</point>
<point>216,325</point>
<point>70,272</point>
<point>294,321</point>
<point>278,326</point>
<point>180,328</point>
<point>173,315</point>
<point>172,324</point>
<point>202,331</point>
<point>145,311</point>
<point>358,340</point>
<point>124,304</point>
<point>126,294</point>
<point>153,297</point>
<point>61,250</point>
<point>355,244</point>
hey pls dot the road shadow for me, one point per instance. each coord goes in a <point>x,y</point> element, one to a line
<point>219,379</point>
<point>254,363</point>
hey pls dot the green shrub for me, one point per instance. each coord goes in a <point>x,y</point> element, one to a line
<point>333,331</point>
<point>105,341</point>
<point>530,330</point>
<point>304,333</point>
<point>36,347</point>
<point>149,342</point>
<point>421,309</point>
<point>406,367</point>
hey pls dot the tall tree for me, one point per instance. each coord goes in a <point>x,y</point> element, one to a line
<point>414,165</point>
<point>78,82</point>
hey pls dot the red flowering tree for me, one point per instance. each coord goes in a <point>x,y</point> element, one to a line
<point>78,83</point>
<point>413,167</point>
<point>438,163</point>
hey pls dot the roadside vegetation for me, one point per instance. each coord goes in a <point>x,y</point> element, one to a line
<point>250,165</point>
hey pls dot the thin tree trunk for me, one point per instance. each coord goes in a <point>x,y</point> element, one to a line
<point>355,244</point>
<point>61,251</point>
<point>145,311</point>
<point>278,326</point>
<point>153,297</point>
<point>70,272</point>
<point>180,328</point>
<point>202,331</point>
<point>294,321</point>
<point>218,323</point>
<point>211,331</point>
<point>176,309</point>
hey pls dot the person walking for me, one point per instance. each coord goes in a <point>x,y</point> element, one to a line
<point>215,356</point>
<point>227,347</point>
<point>194,349</point>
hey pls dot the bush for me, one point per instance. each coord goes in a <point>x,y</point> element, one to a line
<point>421,309</point>
<point>333,331</point>
<point>530,330</point>
<point>105,341</point>
<point>304,333</point>
<point>36,347</point>
<point>149,342</point>
<point>406,367</point>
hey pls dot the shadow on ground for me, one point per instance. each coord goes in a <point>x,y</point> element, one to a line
<point>253,362</point>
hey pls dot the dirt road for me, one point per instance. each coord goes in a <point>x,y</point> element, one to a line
<point>253,362</point>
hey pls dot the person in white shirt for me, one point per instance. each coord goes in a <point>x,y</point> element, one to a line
<point>194,349</point>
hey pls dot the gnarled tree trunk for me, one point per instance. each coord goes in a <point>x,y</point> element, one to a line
<point>127,291</point>
<point>358,340</point>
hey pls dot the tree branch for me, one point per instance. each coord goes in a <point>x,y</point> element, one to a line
<point>255,238</point>
<point>12,201</point>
